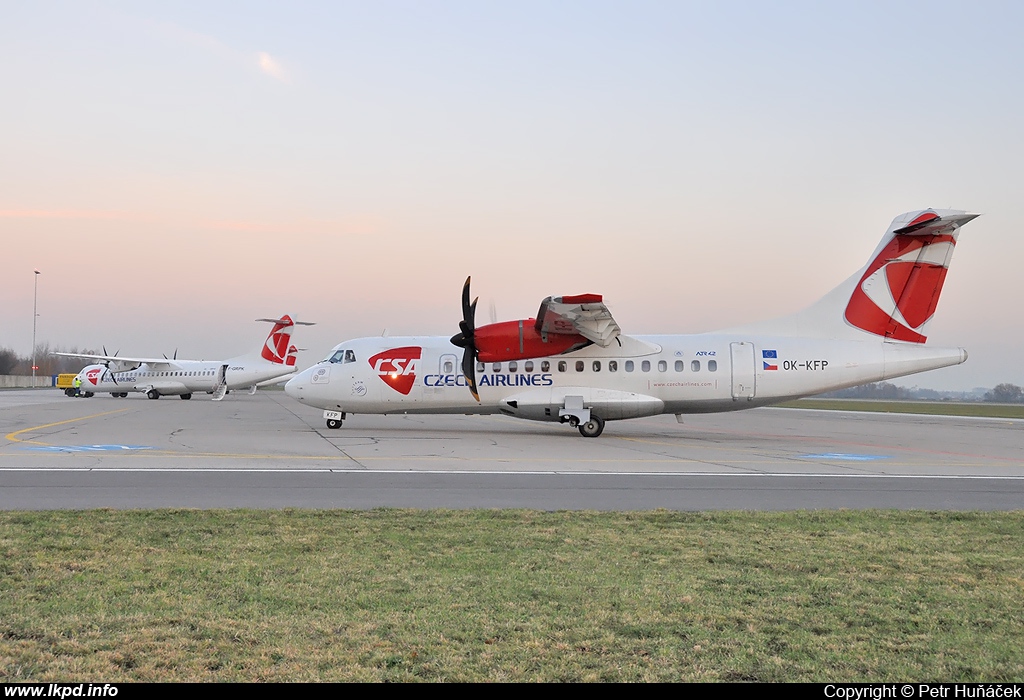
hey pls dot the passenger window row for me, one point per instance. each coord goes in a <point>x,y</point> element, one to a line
<point>596,365</point>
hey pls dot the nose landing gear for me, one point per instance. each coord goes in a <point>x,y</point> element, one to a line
<point>334,419</point>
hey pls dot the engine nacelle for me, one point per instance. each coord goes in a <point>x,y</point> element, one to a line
<point>520,340</point>
<point>122,365</point>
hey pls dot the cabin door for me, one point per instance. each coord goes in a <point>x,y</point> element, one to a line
<point>742,370</point>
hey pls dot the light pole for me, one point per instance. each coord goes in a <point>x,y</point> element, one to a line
<point>35,304</point>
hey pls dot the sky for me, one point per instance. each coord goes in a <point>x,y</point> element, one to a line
<point>175,170</point>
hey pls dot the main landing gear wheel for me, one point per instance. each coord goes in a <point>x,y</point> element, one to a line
<point>186,397</point>
<point>333,423</point>
<point>593,427</point>
<point>153,394</point>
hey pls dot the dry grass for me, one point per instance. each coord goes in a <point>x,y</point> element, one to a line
<point>391,595</point>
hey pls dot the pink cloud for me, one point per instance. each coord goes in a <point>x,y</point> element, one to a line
<point>62,214</point>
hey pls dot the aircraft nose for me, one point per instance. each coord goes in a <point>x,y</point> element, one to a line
<point>296,384</point>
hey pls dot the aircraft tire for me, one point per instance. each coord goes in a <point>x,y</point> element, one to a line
<point>593,427</point>
<point>333,424</point>
<point>153,394</point>
<point>186,397</point>
<point>88,394</point>
<point>124,394</point>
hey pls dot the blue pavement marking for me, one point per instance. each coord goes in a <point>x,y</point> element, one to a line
<point>87,448</point>
<point>846,457</point>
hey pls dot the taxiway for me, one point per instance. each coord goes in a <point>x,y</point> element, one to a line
<point>267,451</point>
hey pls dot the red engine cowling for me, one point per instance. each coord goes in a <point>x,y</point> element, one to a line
<point>520,340</point>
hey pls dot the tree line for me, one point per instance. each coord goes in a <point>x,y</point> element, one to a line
<point>1005,393</point>
<point>1001,393</point>
<point>13,363</point>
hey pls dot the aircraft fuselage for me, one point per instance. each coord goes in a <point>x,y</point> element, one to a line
<point>178,377</point>
<point>641,376</point>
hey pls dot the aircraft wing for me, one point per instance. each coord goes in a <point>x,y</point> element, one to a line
<point>124,363</point>
<point>582,314</point>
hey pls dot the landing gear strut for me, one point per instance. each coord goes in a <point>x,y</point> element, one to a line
<point>573,413</point>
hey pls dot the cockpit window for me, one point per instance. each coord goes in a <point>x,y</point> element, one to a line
<point>341,357</point>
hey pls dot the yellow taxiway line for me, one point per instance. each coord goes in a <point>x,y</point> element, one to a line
<point>13,437</point>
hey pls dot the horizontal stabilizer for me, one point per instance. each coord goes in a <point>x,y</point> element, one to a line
<point>285,321</point>
<point>931,224</point>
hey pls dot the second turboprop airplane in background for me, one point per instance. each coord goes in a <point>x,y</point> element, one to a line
<point>573,365</point>
<point>157,377</point>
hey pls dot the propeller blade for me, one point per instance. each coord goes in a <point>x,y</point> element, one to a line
<point>465,339</point>
<point>467,326</point>
<point>106,364</point>
<point>469,371</point>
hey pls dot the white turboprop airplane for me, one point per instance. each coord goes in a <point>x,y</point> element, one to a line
<point>274,361</point>
<point>571,364</point>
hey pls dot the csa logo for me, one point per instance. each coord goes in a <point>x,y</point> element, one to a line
<point>397,367</point>
<point>93,375</point>
<point>898,292</point>
<point>276,348</point>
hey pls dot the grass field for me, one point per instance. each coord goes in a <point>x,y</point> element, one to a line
<point>391,595</point>
<point>937,408</point>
